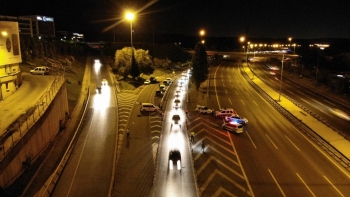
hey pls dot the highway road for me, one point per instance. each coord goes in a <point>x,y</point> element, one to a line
<point>321,105</point>
<point>89,169</point>
<point>270,158</point>
<point>172,181</point>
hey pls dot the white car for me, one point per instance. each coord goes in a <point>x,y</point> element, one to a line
<point>104,82</point>
<point>147,82</point>
<point>224,112</point>
<point>203,109</point>
<point>237,119</point>
<point>234,127</point>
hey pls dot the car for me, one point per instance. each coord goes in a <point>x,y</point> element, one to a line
<point>153,80</point>
<point>148,107</point>
<point>40,71</point>
<point>165,82</point>
<point>169,80</point>
<point>237,119</point>
<point>174,159</point>
<point>175,120</point>
<point>104,82</point>
<point>177,93</point>
<point>272,73</point>
<point>233,127</point>
<point>162,87</point>
<point>177,103</point>
<point>159,93</point>
<point>147,82</point>
<point>203,109</point>
<point>224,112</point>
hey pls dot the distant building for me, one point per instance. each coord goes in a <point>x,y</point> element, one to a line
<point>34,25</point>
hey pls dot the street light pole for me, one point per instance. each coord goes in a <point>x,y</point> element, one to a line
<point>279,96</point>
<point>130,17</point>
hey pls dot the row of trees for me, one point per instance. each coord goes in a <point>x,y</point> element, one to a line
<point>134,62</point>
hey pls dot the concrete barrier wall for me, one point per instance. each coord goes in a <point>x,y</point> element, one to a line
<point>35,140</point>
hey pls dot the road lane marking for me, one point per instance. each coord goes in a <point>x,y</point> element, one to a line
<point>226,91</point>
<point>279,187</point>
<point>271,141</point>
<point>305,101</point>
<point>217,172</point>
<point>242,102</point>
<point>292,143</point>
<point>255,103</point>
<point>240,163</point>
<point>318,102</point>
<point>236,92</point>
<point>221,190</point>
<point>333,186</point>
<point>306,185</point>
<point>251,140</point>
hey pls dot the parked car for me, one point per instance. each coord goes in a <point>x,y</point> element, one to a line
<point>237,119</point>
<point>203,109</point>
<point>159,93</point>
<point>224,112</point>
<point>233,127</point>
<point>40,71</point>
<point>153,79</point>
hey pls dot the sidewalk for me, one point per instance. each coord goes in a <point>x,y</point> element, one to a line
<point>333,138</point>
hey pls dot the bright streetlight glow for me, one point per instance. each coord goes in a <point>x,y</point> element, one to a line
<point>202,32</point>
<point>130,16</point>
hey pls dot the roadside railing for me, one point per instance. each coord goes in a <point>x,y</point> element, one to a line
<point>21,126</point>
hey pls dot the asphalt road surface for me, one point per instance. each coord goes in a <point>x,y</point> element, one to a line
<point>270,158</point>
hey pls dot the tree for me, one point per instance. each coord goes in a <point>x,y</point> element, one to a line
<point>129,61</point>
<point>200,65</point>
<point>134,68</point>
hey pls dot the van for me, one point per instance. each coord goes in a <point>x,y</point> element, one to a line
<point>40,71</point>
<point>148,107</point>
<point>224,112</point>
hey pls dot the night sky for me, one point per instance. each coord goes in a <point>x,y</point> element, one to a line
<point>300,19</point>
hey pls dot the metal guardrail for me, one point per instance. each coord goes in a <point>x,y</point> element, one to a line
<point>49,185</point>
<point>21,126</point>
<point>342,159</point>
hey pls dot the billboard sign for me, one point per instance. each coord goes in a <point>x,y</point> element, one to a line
<point>10,51</point>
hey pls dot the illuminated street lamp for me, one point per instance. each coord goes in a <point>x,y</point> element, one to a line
<point>130,16</point>
<point>290,40</point>
<point>201,33</point>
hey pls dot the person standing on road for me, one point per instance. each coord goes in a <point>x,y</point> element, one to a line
<point>127,133</point>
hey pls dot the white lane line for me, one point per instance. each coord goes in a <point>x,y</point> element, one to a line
<point>305,101</point>
<point>300,93</point>
<point>292,143</point>
<point>230,101</point>
<point>251,140</point>
<point>318,102</point>
<point>255,103</point>
<point>242,102</point>
<point>333,186</point>
<point>243,171</point>
<point>306,185</point>
<point>279,187</point>
<point>226,91</point>
<point>271,141</point>
<point>236,92</point>
<point>290,92</point>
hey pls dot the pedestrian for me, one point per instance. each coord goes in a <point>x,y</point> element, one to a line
<point>202,144</point>
<point>192,136</point>
<point>127,133</point>
<point>186,112</point>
